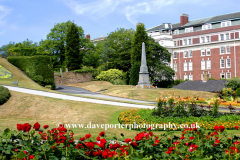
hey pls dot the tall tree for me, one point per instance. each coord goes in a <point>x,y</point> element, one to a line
<point>160,72</point>
<point>56,40</point>
<point>73,54</point>
<point>139,37</point>
<point>107,52</point>
<point>90,57</point>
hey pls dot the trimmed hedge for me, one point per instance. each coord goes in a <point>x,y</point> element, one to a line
<point>38,68</point>
<point>4,95</point>
<point>27,51</point>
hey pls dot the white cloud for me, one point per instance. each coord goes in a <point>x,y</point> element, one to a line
<point>4,11</point>
<point>132,9</point>
<point>2,32</point>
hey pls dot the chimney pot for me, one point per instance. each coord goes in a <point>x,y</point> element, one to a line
<point>183,19</point>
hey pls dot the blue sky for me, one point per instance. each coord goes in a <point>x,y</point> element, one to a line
<point>33,19</point>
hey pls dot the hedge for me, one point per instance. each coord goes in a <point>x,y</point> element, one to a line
<point>38,68</point>
<point>4,95</point>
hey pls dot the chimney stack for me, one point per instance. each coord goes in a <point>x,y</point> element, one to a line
<point>88,35</point>
<point>183,19</point>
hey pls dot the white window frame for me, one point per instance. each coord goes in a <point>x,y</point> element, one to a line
<point>185,54</point>
<point>203,51</point>
<point>190,41</point>
<point>203,65</point>
<point>207,38</point>
<point>227,49</point>
<point>226,23</point>
<point>222,63</point>
<point>175,43</point>
<point>208,50</point>
<point>228,63</point>
<point>227,37</point>
<point>206,26</point>
<point>185,66</point>
<point>185,42</point>
<point>189,29</point>
<point>190,54</point>
<point>190,77</point>
<point>223,75</point>
<point>175,67</point>
<point>222,47</point>
<point>185,77</point>
<point>208,62</point>
<point>203,40</point>
<point>190,66</point>
<point>176,31</point>
<point>228,75</point>
<point>174,55</point>
<point>221,37</point>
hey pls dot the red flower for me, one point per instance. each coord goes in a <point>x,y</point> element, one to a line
<point>40,132</point>
<point>26,127</point>
<point>149,128</point>
<point>171,148</point>
<point>134,144</point>
<point>191,138</point>
<point>36,126</point>
<point>128,140</point>
<point>79,146</point>
<point>168,152</point>
<point>102,134</point>
<point>88,135</point>
<point>217,141</point>
<point>25,152</point>
<point>237,127</point>
<point>31,157</point>
<point>222,128</point>
<point>193,147</point>
<point>103,141</point>
<point>216,128</point>
<point>45,126</point>
<point>82,139</point>
<point>90,145</point>
<point>115,146</point>
<point>19,127</point>
<point>98,138</point>
<point>15,149</point>
<point>182,138</point>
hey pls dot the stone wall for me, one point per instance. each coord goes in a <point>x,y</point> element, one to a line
<point>71,78</point>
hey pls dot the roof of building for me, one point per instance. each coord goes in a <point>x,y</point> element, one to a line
<point>199,21</point>
<point>208,86</point>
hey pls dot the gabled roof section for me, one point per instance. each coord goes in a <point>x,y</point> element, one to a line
<point>199,21</point>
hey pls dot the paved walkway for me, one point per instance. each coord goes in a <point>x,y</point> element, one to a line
<point>80,91</point>
<point>74,98</point>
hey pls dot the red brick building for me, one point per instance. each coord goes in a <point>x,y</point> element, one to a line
<point>209,44</point>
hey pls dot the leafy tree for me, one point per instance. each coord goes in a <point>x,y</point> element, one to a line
<point>134,73</point>
<point>91,57</point>
<point>106,54</point>
<point>56,40</point>
<point>139,37</point>
<point>4,49</point>
<point>160,73</point>
<point>72,52</point>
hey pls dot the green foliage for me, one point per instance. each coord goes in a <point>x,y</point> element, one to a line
<point>134,73</point>
<point>38,68</point>
<point>139,37</point>
<point>90,57</point>
<point>107,52</point>
<point>233,83</point>
<point>114,76</point>
<point>215,107</point>
<point>178,81</point>
<point>211,78</point>
<point>85,69</point>
<point>72,52</point>
<point>238,92</point>
<point>4,95</point>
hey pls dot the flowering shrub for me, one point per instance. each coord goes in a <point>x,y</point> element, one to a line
<point>58,143</point>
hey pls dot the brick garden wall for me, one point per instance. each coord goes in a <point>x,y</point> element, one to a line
<point>72,78</point>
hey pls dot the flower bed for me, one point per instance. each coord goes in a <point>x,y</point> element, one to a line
<point>58,143</point>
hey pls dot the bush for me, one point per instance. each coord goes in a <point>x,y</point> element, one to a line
<point>178,81</point>
<point>238,92</point>
<point>233,83</point>
<point>38,68</point>
<point>4,95</point>
<point>110,75</point>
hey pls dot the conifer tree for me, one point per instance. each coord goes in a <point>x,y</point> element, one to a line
<point>72,52</point>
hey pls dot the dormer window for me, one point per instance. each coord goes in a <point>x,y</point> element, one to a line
<point>176,31</point>
<point>206,26</point>
<point>189,29</point>
<point>226,23</point>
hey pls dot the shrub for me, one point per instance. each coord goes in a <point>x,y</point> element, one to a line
<point>38,68</point>
<point>178,81</point>
<point>84,70</point>
<point>238,92</point>
<point>110,75</point>
<point>233,83</point>
<point>4,95</point>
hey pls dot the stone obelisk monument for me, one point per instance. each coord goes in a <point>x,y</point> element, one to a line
<point>143,74</point>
